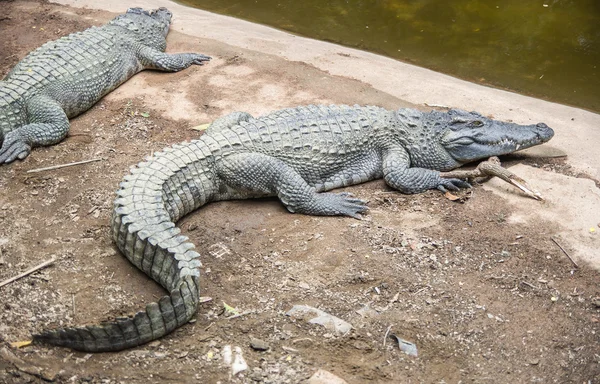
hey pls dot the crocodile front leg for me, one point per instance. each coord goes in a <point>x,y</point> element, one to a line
<point>252,174</point>
<point>398,174</point>
<point>48,124</point>
<point>152,58</point>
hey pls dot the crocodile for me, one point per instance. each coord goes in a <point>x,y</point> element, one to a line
<point>64,78</point>
<point>295,154</point>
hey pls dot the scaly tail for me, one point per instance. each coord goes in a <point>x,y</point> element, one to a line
<point>151,199</point>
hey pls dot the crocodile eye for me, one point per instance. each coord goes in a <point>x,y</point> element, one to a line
<point>476,123</point>
<point>457,120</point>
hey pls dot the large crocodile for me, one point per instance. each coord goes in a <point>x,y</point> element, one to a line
<point>65,77</point>
<point>294,154</point>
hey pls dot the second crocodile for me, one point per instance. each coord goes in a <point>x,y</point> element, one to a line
<point>65,77</point>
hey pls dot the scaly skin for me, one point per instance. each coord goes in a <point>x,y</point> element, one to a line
<point>293,154</point>
<point>65,77</point>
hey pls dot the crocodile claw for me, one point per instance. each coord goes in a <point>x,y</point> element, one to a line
<point>452,184</point>
<point>343,204</point>
<point>199,59</point>
<point>13,147</point>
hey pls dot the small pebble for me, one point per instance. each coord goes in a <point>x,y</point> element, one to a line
<point>259,345</point>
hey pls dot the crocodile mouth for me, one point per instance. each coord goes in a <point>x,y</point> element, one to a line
<point>479,145</point>
<point>512,145</point>
<point>541,134</point>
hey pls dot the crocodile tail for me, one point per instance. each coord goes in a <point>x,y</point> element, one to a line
<point>149,201</point>
<point>159,319</point>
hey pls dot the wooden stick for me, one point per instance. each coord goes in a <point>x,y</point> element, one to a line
<point>63,165</point>
<point>565,252</point>
<point>387,332</point>
<point>28,272</point>
<point>239,315</point>
<point>491,168</point>
<point>529,285</point>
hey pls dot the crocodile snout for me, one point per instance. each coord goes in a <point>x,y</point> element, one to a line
<point>544,132</point>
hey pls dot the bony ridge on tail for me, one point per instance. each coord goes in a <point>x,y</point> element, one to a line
<point>65,77</point>
<point>295,154</point>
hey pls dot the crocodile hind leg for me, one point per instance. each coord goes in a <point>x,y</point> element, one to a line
<point>48,124</point>
<point>256,174</point>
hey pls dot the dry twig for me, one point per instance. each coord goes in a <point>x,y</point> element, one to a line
<point>565,252</point>
<point>529,285</point>
<point>387,332</point>
<point>63,165</point>
<point>240,315</point>
<point>28,272</point>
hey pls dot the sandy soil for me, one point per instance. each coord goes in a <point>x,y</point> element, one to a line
<point>479,287</point>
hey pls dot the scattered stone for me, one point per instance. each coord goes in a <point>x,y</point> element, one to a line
<point>289,349</point>
<point>324,377</point>
<point>406,346</point>
<point>227,354</point>
<point>239,364</point>
<point>139,353</point>
<point>234,358</point>
<point>534,362</point>
<point>367,311</point>
<point>83,359</point>
<point>259,345</point>
<point>316,316</point>
<point>303,285</point>
<point>154,344</point>
<point>362,345</point>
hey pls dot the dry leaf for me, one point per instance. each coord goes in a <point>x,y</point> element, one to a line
<point>20,344</point>
<point>229,309</point>
<point>201,127</point>
<point>451,197</point>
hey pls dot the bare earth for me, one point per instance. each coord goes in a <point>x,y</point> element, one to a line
<point>479,287</point>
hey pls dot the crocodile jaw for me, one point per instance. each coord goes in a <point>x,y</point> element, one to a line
<point>494,140</point>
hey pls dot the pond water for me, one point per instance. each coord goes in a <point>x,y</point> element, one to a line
<point>545,48</point>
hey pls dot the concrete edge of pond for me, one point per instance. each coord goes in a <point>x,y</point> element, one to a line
<point>577,130</point>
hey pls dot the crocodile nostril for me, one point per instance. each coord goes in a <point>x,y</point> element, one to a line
<point>541,125</point>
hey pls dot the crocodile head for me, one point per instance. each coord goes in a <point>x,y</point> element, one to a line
<point>446,140</point>
<point>469,136</point>
<point>150,26</point>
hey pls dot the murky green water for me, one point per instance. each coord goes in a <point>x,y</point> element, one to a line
<point>545,48</point>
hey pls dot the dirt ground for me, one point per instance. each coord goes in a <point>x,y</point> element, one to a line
<point>485,300</point>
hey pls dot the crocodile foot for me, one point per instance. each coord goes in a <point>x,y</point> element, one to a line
<point>199,59</point>
<point>340,204</point>
<point>13,147</point>
<point>452,184</point>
